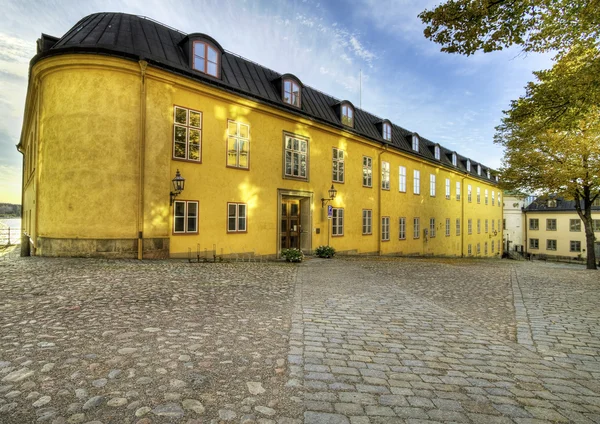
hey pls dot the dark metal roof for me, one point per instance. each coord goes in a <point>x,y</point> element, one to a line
<point>137,37</point>
<point>541,204</point>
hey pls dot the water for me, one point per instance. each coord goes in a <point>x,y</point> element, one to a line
<point>15,230</point>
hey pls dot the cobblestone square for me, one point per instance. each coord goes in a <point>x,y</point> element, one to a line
<point>348,341</point>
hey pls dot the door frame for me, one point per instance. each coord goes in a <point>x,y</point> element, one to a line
<point>304,197</point>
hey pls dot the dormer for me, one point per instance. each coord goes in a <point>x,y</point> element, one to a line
<point>454,159</point>
<point>385,129</point>
<point>203,53</point>
<point>414,141</point>
<point>345,110</point>
<point>436,151</point>
<point>468,165</point>
<point>488,174</point>
<point>478,169</point>
<point>290,88</point>
<point>552,203</point>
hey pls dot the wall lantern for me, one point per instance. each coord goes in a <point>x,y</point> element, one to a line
<point>178,185</point>
<point>332,193</point>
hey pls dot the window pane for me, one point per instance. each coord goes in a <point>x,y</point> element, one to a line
<point>199,49</point>
<point>194,136</point>
<point>231,224</point>
<point>180,224</point>
<point>296,169</point>
<point>195,119</point>
<point>287,86</point>
<point>232,152</point>
<point>244,131</point>
<point>303,165</point>
<point>199,64</point>
<point>180,134</point>
<point>288,163</point>
<point>192,224</point>
<point>232,128</point>
<point>179,150</point>
<point>212,69</point>
<point>180,116</point>
<point>194,152</point>
<point>212,54</point>
<point>303,146</point>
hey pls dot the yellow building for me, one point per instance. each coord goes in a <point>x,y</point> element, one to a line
<point>553,228</point>
<point>121,104</point>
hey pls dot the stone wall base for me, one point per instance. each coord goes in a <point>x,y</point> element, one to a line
<point>154,248</point>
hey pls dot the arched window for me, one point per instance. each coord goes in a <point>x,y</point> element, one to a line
<point>436,151</point>
<point>291,92</point>
<point>454,159</point>
<point>387,131</point>
<point>415,142</point>
<point>347,115</point>
<point>206,58</point>
<point>468,165</point>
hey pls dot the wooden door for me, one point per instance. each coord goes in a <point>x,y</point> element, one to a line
<point>290,224</point>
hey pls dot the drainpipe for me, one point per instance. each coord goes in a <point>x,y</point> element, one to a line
<point>525,224</point>
<point>463,224</point>
<point>379,200</point>
<point>143,65</point>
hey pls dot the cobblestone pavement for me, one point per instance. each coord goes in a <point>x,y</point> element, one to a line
<point>85,341</point>
<point>368,351</point>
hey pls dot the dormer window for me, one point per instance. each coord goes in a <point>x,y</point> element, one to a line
<point>488,174</point>
<point>415,142</point>
<point>387,131</point>
<point>291,92</point>
<point>551,203</point>
<point>468,165</point>
<point>454,159</point>
<point>497,178</point>
<point>206,58</point>
<point>347,115</point>
<point>436,152</point>
<point>478,169</point>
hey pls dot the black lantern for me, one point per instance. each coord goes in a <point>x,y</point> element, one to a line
<point>178,185</point>
<point>332,193</point>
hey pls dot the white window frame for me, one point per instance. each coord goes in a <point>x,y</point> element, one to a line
<point>238,217</point>
<point>447,227</point>
<point>478,194</point>
<point>458,190</point>
<point>347,115</point>
<point>454,159</point>
<point>295,157</point>
<point>386,131</point>
<point>337,165</point>
<point>415,142</point>
<point>575,225</point>
<point>478,225</point>
<point>447,188</point>
<point>431,227</point>
<point>416,181</point>
<point>293,98</point>
<point>469,250</point>
<point>468,165</point>
<point>188,128</point>
<point>337,222</point>
<point>574,243</point>
<point>469,193</point>
<point>239,142</point>
<point>432,185</point>
<point>402,179</point>
<point>385,175</point>
<point>458,226</point>
<point>416,227</point>
<point>385,228</point>
<point>436,152</point>
<point>548,243</point>
<point>486,196</point>
<point>493,198</point>
<point>534,243</point>
<point>402,228</point>
<point>486,225</point>
<point>478,169</point>
<point>367,222</point>
<point>469,226</point>
<point>185,217</point>
<point>367,171</point>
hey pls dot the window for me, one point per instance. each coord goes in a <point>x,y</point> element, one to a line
<point>595,225</point>
<point>493,225</point>
<point>596,201</point>
<point>550,224</point>
<point>347,115</point>
<point>367,171</point>
<point>493,197</point>
<point>486,226</point>
<point>238,145</point>
<point>503,223</point>
<point>416,182</point>
<point>551,203</point>
<point>485,248</point>
<point>436,152</point>
<point>478,226</point>
<point>454,159</point>
<point>296,157</point>
<point>415,142</point>
<point>291,92</point>
<point>469,226</point>
<point>499,203</point>
<point>187,134</point>
<point>469,192</point>
<point>402,231</point>
<point>575,225</point>
<point>185,217</point>
<point>447,188</point>
<point>402,179</point>
<point>534,243</point>
<point>236,217</point>
<point>458,226</point>
<point>431,227</point>
<point>469,250</point>
<point>550,244</point>
<point>447,227</point>
<point>534,224</point>
<point>458,190</point>
<point>338,165</point>
<point>478,195</point>
<point>488,174</point>
<point>385,228</point>
<point>432,185</point>
<point>416,228</point>
<point>478,169</point>
<point>367,220</point>
<point>492,244</point>
<point>387,131</point>
<point>486,196</point>
<point>337,224</point>
<point>206,59</point>
<point>575,246</point>
<point>468,165</point>
<point>385,175</point>
<point>498,246</point>
<point>478,248</point>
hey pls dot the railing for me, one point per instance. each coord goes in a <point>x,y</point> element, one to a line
<point>9,236</point>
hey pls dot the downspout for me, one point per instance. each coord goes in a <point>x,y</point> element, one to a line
<point>143,65</point>
<point>379,190</point>
<point>463,225</point>
<point>525,224</point>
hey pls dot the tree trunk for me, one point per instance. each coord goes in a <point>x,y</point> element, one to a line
<point>586,216</point>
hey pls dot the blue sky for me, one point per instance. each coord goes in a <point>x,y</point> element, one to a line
<point>454,100</point>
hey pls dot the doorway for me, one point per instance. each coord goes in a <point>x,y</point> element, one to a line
<point>291,225</point>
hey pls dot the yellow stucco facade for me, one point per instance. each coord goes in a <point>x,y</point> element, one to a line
<point>98,141</point>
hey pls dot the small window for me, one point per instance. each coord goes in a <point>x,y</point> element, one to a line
<point>347,115</point>
<point>478,195</point>
<point>492,246</point>
<point>447,188</point>
<point>337,222</point>
<point>478,248</point>
<point>402,179</point>
<point>206,58</point>
<point>478,226</point>
<point>485,245</point>
<point>432,185</point>
<point>550,224</point>
<point>291,92</point>
<point>469,250</point>
<point>236,218</point>
<point>185,217</point>
<point>469,193</point>
<point>416,182</point>
<point>493,225</point>
<point>367,221</point>
<point>402,230</point>
<point>295,157</point>
<point>550,244</point>
<point>478,169</point>
<point>458,226</point>
<point>436,152</point>
<point>416,228</point>
<point>534,243</point>
<point>385,175</point>
<point>486,196</point>
<point>415,142</point>
<point>469,226</point>
<point>488,174</point>
<point>575,225</point>
<point>447,227</point>
<point>596,225</point>
<point>458,190</point>
<point>238,145</point>
<point>493,198</point>
<point>486,227</point>
<point>338,165</point>
<point>454,161</point>
<point>187,134</point>
<point>385,228</point>
<point>468,165</point>
<point>596,201</point>
<point>387,131</point>
<point>551,203</point>
<point>367,171</point>
<point>431,227</point>
<point>575,246</point>
<point>497,178</point>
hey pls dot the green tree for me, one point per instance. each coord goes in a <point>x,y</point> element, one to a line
<point>551,135</point>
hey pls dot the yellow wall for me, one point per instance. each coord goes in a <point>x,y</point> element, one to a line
<point>90,137</point>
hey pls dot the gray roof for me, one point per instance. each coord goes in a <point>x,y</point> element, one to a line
<point>541,205</point>
<point>137,37</point>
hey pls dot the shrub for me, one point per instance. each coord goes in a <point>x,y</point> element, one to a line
<point>292,255</point>
<point>325,252</point>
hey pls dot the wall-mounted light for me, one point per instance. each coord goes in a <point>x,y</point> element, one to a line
<point>332,193</point>
<point>178,185</point>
